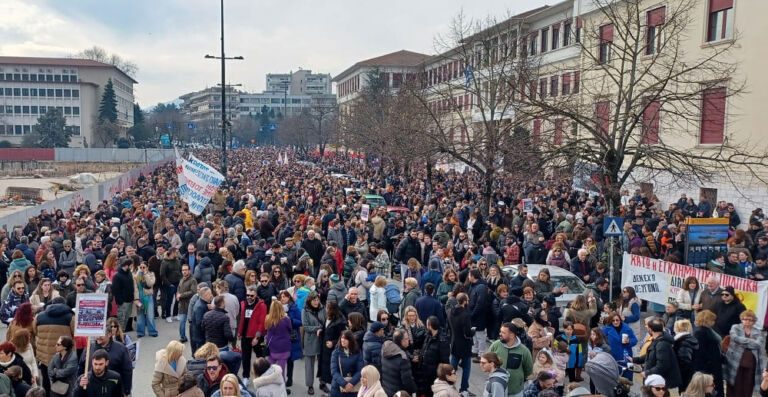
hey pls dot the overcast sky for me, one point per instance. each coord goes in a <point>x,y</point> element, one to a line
<point>167,39</point>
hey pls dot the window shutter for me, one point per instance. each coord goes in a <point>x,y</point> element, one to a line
<point>578,22</point>
<point>713,116</point>
<point>656,17</point>
<point>717,5</point>
<point>602,116</point>
<point>566,78</point>
<point>558,138</point>
<point>651,123</point>
<point>606,32</point>
<point>536,131</point>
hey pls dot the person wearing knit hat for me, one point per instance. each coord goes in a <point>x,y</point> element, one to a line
<point>655,386</point>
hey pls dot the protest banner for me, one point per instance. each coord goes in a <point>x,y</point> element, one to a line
<point>198,182</point>
<point>91,314</point>
<point>364,212</point>
<point>659,282</point>
<point>133,352</point>
<point>527,205</point>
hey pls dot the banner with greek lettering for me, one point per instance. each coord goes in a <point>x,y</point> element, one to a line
<point>198,182</point>
<point>659,282</point>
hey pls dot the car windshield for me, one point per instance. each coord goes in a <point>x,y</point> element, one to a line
<point>573,284</point>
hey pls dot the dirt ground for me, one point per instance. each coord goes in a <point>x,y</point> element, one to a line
<point>48,192</point>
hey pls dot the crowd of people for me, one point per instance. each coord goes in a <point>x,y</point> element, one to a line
<point>283,266</point>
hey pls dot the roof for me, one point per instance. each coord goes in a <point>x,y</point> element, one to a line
<point>76,62</point>
<point>398,58</point>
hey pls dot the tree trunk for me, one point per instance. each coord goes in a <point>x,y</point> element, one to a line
<point>487,190</point>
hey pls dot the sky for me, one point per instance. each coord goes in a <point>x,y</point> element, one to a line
<point>168,39</point>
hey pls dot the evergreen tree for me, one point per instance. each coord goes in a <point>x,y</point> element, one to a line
<point>140,131</point>
<point>51,131</point>
<point>108,106</point>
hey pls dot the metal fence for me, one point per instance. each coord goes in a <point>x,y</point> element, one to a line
<point>95,155</point>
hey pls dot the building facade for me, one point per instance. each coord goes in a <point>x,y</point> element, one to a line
<point>204,106</point>
<point>301,82</point>
<point>29,86</point>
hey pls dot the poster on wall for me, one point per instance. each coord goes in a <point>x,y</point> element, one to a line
<point>704,238</point>
<point>659,282</point>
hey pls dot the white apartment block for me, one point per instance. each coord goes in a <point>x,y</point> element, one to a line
<point>301,82</point>
<point>29,86</point>
<point>204,107</point>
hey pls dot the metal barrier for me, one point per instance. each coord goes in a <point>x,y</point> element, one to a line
<point>97,155</point>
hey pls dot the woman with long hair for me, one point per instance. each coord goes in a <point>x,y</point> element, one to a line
<point>42,295</point>
<point>22,339</point>
<point>278,279</point>
<point>313,321</point>
<point>110,263</point>
<point>22,319</point>
<point>335,324</point>
<point>251,278</point>
<point>230,387</point>
<point>701,385</point>
<point>346,366</point>
<point>145,315</point>
<point>708,357</point>
<point>370,384</point>
<point>688,296</point>
<point>294,314</point>
<point>629,310</point>
<point>450,278</point>
<point>170,366</point>
<point>357,324</point>
<point>113,325</point>
<point>32,277</point>
<point>63,367</point>
<point>278,339</point>
<point>415,329</point>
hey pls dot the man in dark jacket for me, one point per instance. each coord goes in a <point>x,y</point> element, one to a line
<point>372,342</point>
<point>535,251</point>
<point>478,307</point>
<point>661,358</point>
<point>122,290</point>
<point>582,265</point>
<point>266,290</point>
<point>169,277</point>
<point>119,359</point>
<point>103,381</point>
<point>428,305</point>
<point>461,338</point>
<point>522,275</point>
<point>409,247</point>
<point>215,324</point>
<point>396,372</point>
<point>313,247</point>
<point>236,280</point>
<point>195,316</point>
<point>515,307</point>
<point>728,311</point>
<point>352,303</point>
<point>436,351</point>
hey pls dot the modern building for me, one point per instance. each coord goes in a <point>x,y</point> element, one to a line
<point>29,86</point>
<point>204,106</point>
<point>301,82</point>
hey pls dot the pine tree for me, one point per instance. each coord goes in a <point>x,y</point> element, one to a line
<point>108,106</point>
<point>51,131</point>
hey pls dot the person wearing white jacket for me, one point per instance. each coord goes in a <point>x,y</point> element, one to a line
<point>267,380</point>
<point>689,297</point>
<point>378,298</point>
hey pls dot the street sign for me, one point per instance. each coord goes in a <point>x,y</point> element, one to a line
<point>191,126</point>
<point>612,226</point>
<point>272,126</point>
<point>235,145</point>
<point>170,126</point>
<point>261,129</point>
<point>165,140</point>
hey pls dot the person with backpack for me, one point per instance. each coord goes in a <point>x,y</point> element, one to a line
<point>496,385</point>
<point>394,299</point>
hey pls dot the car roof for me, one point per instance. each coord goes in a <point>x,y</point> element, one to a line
<point>376,196</point>
<point>534,270</point>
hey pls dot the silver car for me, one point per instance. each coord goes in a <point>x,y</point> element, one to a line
<point>559,278</point>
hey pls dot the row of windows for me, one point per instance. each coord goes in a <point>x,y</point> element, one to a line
<point>41,110</point>
<point>40,92</point>
<point>551,38</point>
<point>53,78</point>
<point>26,129</point>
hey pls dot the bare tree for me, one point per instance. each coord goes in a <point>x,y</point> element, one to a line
<point>635,71</point>
<point>294,131</point>
<point>99,54</point>
<point>321,122</point>
<point>466,92</point>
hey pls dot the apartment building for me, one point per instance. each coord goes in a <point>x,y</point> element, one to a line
<point>204,106</point>
<point>29,86</point>
<point>301,82</point>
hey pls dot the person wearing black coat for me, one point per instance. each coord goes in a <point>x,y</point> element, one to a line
<point>515,307</point>
<point>119,360</point>
<point>436,351</point>
<point>479,303</point>
<point>409,248</point>
<point>15,359</point>
<point>685,349</point>
<point>708,357</point>
<point>396,373</point>
<point>215,324</point>
<point>461,338</point>
<point>372,342</point>
<point>661,359</point>
<point>427,305</point>
<point>336,325</point>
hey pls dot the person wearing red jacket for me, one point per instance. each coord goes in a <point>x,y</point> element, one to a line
<point>253,312</point>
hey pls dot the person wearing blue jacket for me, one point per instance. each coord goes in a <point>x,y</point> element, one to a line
<point>346,366</point>
<point>621,346</point>
<point>427,305</point>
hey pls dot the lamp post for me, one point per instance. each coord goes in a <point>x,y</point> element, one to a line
<point>224,121</point>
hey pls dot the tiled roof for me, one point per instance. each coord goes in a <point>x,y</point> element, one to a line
<point>398,58</point>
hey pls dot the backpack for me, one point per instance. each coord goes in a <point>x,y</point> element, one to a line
<point>392,292</point>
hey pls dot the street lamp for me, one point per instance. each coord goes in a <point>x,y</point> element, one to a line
<point>223,95</point>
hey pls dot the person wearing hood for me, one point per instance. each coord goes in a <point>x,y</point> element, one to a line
<point>372,343</point>
<point>396,372</point>
<point>428,305</point>
<point>515,357</point>
<point>444,384</point>
<point>717,264</point>
<point>170,366</point>
<point>338,290</point>
<point>370,384</point>
<point>496,385</point>
<point>267,380</point>
<point>433,275</point>
<point>204,271</point>
<point>661,359</point>
<point>541,332</point>
<point>67,257</point>
<point>19,262</point>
